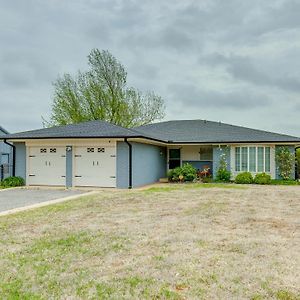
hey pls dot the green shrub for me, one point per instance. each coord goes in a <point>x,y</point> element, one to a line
<point>173,175</point>
<point>262,178</point>
<point>285,161</point>
<point>223,174</point>
<point>207,179</point>
<point>244,178</point>
<point>13,182</point>
<point>187,172</point>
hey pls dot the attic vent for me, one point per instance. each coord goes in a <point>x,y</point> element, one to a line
<point>52,150</point>
<point>101,150</point>
<point>90,150</point>
<point>43,150</point>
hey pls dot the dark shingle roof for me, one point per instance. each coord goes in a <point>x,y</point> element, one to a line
<point>91,129</point>
<point>202,131</point>
<point>181,131</point>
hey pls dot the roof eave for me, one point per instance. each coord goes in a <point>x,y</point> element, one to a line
<point>12,138</point>
<point>232,142</point>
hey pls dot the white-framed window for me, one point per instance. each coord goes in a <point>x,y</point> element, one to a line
<point>206,154</point>
<point>255,159</point>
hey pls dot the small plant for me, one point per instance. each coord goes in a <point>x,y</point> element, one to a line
<point>223,174</point>
<point>206,179</point>
<point>285,161</point>
<point>185,173</point>
<point>244,178</point>
<point>12,182</point>
<point>262,178</point>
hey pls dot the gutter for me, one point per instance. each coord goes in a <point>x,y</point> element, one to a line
<point>130,163</point>
<point>14,156</point>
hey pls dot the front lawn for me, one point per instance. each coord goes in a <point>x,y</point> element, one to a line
<point>173,242</point>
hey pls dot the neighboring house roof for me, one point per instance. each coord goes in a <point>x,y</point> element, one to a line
<point>176,132</point>
<point>90,129</point>
<point>202,131</point>
<point>3,131</point>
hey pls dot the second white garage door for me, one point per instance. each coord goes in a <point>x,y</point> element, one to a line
<point>95,166</point>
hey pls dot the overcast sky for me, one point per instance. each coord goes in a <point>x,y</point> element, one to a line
<point>231,61</point>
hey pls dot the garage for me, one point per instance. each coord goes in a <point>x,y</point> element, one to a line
<point>47,166</point>
<point>95,166</point>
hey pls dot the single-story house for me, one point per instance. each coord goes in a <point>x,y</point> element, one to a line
<point>101,154</point>
<point>6,157</point>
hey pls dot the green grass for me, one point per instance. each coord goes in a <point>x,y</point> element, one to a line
<point>284,182</point>
<point>120,245</point>
<point>190,186</point>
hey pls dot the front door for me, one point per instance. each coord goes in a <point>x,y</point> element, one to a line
<point>174,158</point>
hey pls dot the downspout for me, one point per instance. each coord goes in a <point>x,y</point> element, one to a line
<point>296,171</point>
<point>14,156</point>
<point>130,163</point>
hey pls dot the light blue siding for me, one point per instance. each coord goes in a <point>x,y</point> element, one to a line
<point>217,152</point>
<point>69,167</point>
<point>122,165</point>
<point>148,164</point>
<point>292,150</point>
<point>20,160</point>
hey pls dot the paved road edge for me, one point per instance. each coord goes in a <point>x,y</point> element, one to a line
<point>46,203</point>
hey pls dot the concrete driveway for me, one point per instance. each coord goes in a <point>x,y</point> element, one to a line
<point>16,198</point>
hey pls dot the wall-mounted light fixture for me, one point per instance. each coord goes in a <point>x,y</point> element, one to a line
<point>68,148</point>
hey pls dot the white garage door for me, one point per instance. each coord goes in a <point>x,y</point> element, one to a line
<point>95,166</point>
<point>47,166</point>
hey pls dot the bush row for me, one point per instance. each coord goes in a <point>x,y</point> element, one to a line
<point>247,178</point>
<point>188,173</point>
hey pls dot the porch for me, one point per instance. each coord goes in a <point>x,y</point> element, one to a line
<point>199,156</point>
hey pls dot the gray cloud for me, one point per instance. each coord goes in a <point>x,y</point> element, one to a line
<point>253,71</point>
<point>234,61</point>
<point>196,98</point>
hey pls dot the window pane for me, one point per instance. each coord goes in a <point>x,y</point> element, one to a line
<point>174,153</point>
<point>252,159</point>
<point>174,164</point>
<point>260,159</point>
<point>206,154</point>
<point>238,159</point>
<point>267,159</point>
<point>244,158</point>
